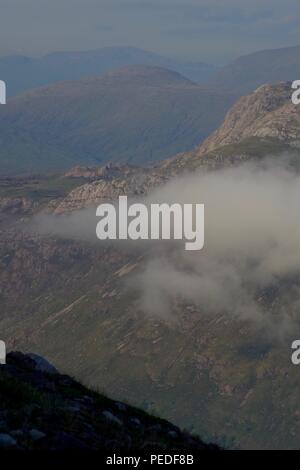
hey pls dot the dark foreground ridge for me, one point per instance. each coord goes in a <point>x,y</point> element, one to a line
<point>41,409</point>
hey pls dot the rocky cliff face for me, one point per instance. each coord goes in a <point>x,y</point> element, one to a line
<point>108,183</point>
<point>266,113</point>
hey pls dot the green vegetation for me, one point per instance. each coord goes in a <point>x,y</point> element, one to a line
<point>41,188</point>
<point>47,411</point>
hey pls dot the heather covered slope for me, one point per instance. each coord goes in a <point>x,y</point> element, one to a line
<point>265,122</point>
<point>267,113</point>
<point>210,374</point>
<point>43,410</point>
<point>137,114</point>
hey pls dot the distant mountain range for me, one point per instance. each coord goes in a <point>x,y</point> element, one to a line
<point>90,111</point>
<point>241,76</point>
<point>266,113</point>
<point>53,412</point>
<point>135,114</point>
<point>250,71</point>
<point>24,73</point>
<point>263,123</point>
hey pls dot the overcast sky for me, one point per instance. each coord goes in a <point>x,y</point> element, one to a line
<point>207,30</point>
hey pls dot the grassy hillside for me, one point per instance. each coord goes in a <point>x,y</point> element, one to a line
<point>214,372</point>
<point>137,114</point>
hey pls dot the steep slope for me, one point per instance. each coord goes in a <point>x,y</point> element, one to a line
<point>211,374</point>
<point>25,73</point>
<point>265,122</point>
<point>266,113</point>
<point>136,114</point>
<point>72,301</point>
<point>44,410</point>
<point>249,72</point>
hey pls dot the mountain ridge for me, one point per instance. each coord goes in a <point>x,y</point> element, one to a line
<point>250,71</point>
<point>22,73</point>
<point>136,114</point>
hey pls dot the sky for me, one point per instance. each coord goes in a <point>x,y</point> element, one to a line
<point>214,31</point>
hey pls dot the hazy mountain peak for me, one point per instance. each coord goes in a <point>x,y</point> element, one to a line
<point>24,73</point>
<point>250,71</point>
<point>56,413</point>
<point>151,75</point>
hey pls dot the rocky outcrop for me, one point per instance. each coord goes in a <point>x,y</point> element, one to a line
<point>268,112</point>
<point>137,114</point>
<point>111,170</point>
<point>15,205</point>
<point>110,183</point>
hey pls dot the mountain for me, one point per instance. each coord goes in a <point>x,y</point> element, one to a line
<point>250,71</point>
<point>76,302</point>
<point>24,73</point>
<point>268,112</point>
<point>135,114</point>
<point>44,410</point>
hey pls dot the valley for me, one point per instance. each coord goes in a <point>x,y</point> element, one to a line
<point>78,303</point>
<point>149,231</point>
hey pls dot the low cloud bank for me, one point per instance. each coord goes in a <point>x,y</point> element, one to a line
<point>250,264</point>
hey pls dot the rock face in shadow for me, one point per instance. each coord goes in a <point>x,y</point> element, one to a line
<point>250,71</point>
<point>43,410</point>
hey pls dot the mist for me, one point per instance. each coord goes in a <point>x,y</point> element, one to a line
<point>252,245</point>
<point>251,250</point>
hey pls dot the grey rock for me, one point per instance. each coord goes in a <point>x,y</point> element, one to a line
<point>73,409</point>
<point>155,428</point>
<point>7,441</point>
<point>110,417</point>
<point>36,435</point>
